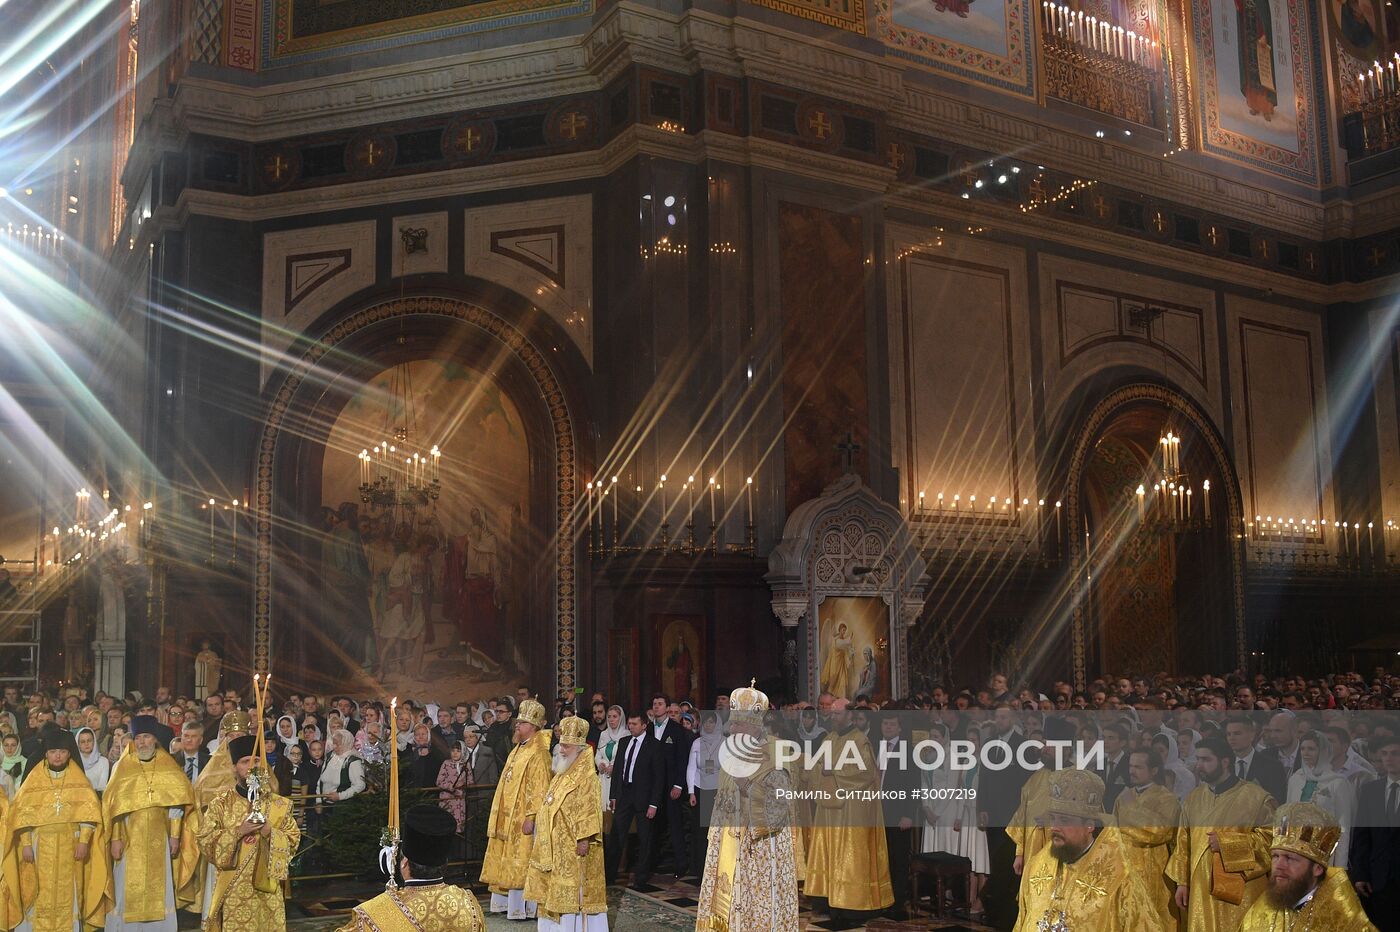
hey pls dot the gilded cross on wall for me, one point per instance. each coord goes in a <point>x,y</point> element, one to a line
<point>572,124</point>
<point>1101,206</point>
<point>372,152</point>
<point>469,139</point>
<point>1376,257</point>
<point>895,156</point>
<point>819,124</point>
<point>1159,221</point>
<point>1213,235</point>
<point>276,166</point>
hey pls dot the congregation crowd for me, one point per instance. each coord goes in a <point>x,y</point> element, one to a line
<point>1193,775</point>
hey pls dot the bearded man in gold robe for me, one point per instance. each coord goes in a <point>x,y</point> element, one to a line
<point>250,856</point>
<point>749,880</point>
<point>1220,863</point>
<point>510,829</point>
<point>848,864</point>
<point>1304,892</point>
<point>424,902</point>
<point>149,818</point>
<point>55,872</point>
<point>1029,828</point>
<point>1146,815</point>
<point>566,863</point>
<point>1081,881</point>
<point>214,780</point>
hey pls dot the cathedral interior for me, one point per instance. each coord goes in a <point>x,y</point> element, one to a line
<point>638,345</point>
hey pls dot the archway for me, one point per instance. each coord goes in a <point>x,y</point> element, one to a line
<point>1148,598</point>
<point>310,397</point>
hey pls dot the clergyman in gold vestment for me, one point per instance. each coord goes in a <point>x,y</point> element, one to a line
<point>1220,863</point>
<point>1146,815</point>
<point>847,863</point>
<point>566,864</point>
<point>149,818</point>
<point>55,871</point>
<point>251,858</point>
<point>424,902</point>
<point>1304,893</point>
<point>1081,881</point>
<point>510,830</point>
<point>214,780</point>
<point>749,880</point>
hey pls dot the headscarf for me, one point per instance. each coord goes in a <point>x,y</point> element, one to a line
<point>9,761</point>
<point>707,745</point>
<point>609,737</point>
<point>1184,781</point>
<point>335,743</point>
<point>282,739</point>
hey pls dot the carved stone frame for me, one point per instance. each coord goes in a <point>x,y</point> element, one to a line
<point>847,542</point>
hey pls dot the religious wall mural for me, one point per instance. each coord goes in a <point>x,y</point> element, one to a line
<point>434,594</point>
<point>986,41</point>
<point>853,637</point>
<point>1257,84</point>
<point>680,656</point>
<point>305,30</point>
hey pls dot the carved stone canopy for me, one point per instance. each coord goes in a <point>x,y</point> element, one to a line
<point>847,542</point>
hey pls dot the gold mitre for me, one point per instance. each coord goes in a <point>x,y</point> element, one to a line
<point>1076,793</point>
<point>236,722</point>
<point>573,731</point>
<point>532,712</point>
<point>1307,830</point>
<point>748,702</point>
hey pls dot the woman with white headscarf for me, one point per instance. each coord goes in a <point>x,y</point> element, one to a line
<point>95,766</point>
<point>1183,780</point>
<point>285,732</point>
<point>1315,781</point>
<point>344,774</point>
<point>608,740</point>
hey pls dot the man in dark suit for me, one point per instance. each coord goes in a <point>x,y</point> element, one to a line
<point>637,788</point>
<point>675,750</point>
<point>481,760</point>
<point>998,796</point>
<point>192,757</point>
<point>1252,764</point>
<point>899,786</point>
<point>1374,860</point>
<point>1115,762</point>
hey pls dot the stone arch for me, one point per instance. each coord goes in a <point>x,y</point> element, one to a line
<point>564,425</point>
<point>1087,433</point>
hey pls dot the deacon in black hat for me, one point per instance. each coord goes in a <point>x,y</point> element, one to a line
<point>427,832</point>
<point>230,840</point>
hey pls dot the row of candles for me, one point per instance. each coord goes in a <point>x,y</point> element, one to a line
<point>85,536</point>
<point>1172,500</point>
<point>1099,35</point>
<point>1272,529</point>
<point>1381,80</point>
<point>606,496</point>
<point>35,239</point>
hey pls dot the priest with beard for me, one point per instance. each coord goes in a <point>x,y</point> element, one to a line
<point>510,829</point>
<point>1304,892</point>
<point>848,863</point>
<point>148,816</point>
<point>251,858</point>
<point>566,863</point>
<point>1220,863</point>
<point>1081,880</point>
<point>55,874</point>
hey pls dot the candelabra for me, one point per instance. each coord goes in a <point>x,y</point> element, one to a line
<point>1098,65</point>
<point>1379,113</point>
<point>617,518</point>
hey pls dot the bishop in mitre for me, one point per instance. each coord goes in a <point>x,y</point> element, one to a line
<point>424,902</point>
<point>55,873</point>
<point>1029,828</point>
<point>149,819</point>
<point>1304,892</point>
<point>749,880</point>
<point>1081,881</point>
<point>214,780</point>
<point>847,863</point>
<point>510,829</point>
<point>1146,815</point>
<point>1220,864</point>
<point>566,863</point>
<point>250,857</point>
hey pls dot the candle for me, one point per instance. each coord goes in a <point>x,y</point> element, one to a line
<point>211,527</point>
<point>1141,492</point>
<point>712,501</point>
<point>1058,531</point>
<point>748,495</point>
<point>235,529</point>
<point>1205,499</point>
<point>662,487</point>
<point>690,500</point>
<point>614,498</point>
<point>394,772</point>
